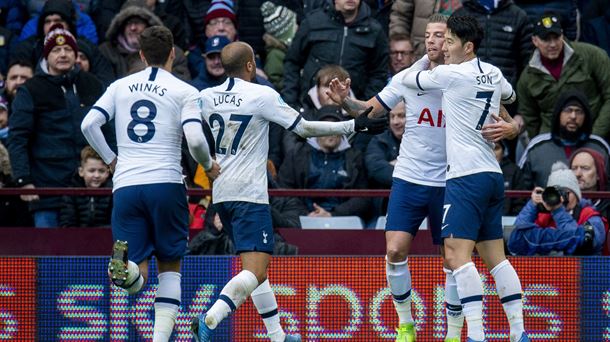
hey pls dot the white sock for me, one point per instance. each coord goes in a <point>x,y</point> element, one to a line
<point>509,290</point>
<point>470,290</point>
<point>234,294</point>
<point>266,305</point>
<point>167,303</point>
<point>399,280</point>
<point>455,318</point>
<point>134,281</point>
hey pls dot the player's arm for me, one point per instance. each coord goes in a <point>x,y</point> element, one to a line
<point>425,80</point>
<point>101,112</point>
<point>508,93</point>
<point>192,126</point>
<point>339,93</point>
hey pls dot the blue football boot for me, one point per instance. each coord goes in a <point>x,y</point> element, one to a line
<point>200,331</point>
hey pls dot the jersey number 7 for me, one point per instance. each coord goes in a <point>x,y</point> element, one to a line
<point>487,96</point>
<point>243,120</point>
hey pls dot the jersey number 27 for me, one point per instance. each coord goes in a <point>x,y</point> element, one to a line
<point>243,120</point>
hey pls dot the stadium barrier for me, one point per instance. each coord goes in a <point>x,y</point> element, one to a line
<point>322,298</point>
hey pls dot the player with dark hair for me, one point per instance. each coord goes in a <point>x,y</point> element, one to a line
<point>474,195</point>
<point>239,112</point>
<point>151,110</point>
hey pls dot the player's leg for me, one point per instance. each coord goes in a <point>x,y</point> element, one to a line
<point>266,305</point>
<point>168,214</point>
<point>491,249</point>
<point>453,306</point>
<point>407,207</point>
<point>465,197</point>
<point>128,266</point>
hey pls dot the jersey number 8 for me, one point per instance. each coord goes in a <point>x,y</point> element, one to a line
<point>146,121</point>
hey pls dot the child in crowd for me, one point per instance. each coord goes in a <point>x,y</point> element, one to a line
<point>88,211</point>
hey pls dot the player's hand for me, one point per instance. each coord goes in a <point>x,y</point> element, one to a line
<point>499,129</point>
<point>537,195</point>
<point>112,165</point>
<point>29,198</point>
<point>364,124</point>
<point>318,211</point>
<point>214,171</point>
<point>338,90</point>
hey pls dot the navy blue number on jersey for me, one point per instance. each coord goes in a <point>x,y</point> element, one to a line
<point>243,120</point>
<point>137,120</point>
<point>487,96</point>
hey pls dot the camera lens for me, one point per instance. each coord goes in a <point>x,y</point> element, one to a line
<point>551,196</point>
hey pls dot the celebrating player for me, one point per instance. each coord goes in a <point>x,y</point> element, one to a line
<point>239,113</point>
<point>474,195</point>
<point>150,215</point>
<point>418,187</point>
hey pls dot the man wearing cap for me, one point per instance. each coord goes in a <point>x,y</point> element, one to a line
<point>45,140</point>
<point>558,65</point>
<point>572,226</point>
<point>213,74</point>
<point>571,128</point>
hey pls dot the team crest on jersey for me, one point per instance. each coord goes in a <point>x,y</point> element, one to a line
<point>200,103</point>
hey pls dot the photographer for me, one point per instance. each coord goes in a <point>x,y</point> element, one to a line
<point>556,220</point>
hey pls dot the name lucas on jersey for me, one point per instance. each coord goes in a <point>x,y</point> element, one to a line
<point>227,99</point>
<point>150,87</point>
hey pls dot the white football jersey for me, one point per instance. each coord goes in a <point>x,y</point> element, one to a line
<point>148,109</point>
<point>471,90</point>
<point>239,113</point>
<point>422,158</point>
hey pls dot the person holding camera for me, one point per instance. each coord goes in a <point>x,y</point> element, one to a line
<point>557,220</point>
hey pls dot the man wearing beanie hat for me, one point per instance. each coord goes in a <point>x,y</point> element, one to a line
<point>571,227</point>
<point>220,20</point>
<point>45,140</point>
<point>280,26</point>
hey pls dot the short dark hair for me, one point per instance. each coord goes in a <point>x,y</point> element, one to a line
<point>467,29</point>
<point>396,37</point>
<point>156,43</point>
<point>330,71</point>
<point>20,62</point>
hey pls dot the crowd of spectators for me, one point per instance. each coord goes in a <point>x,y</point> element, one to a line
<point>57,57</point>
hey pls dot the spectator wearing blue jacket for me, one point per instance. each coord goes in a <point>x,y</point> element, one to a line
<point>84,25</point>
<point>571,227</point>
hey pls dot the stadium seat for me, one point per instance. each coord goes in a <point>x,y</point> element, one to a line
<point>508,225</point>
<point>334,222</point>
<point>381,220</point>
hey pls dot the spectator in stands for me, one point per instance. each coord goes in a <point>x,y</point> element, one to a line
<point>213,73</point>
<point>508,35</point>
<point>589,168</point>
<point>7,44</point>
<point>410,17</point>
<point>509,171</point>
<point>596,31</point>
<point>13,15</point>
<point>327,163</point>
<point>60,12</point>
<point>3,121</point>
<point>556,66</point>
<point>343,34</point>
<point>56,11</point>
<point>88,211</point>
<point>567,13</point>
<point>13,211</point>
<point>280,26</point>
<point>170,21</point>
<point>402,54</point>
<point>569,226</point>
<point>570,130</point>
<point>19,71</point>
<point>44,138</point>
<point>122,46</point>
<point>382,151</point>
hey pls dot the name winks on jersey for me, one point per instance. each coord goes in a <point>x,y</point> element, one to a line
<point>150,87</point>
